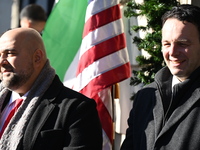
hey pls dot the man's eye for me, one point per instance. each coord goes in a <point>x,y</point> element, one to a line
<point>11,53</point>
<point>183,44</point>
<point>166,44</point>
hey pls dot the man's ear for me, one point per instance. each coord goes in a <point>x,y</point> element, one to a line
<point>38,56</point>
<point>25,23</point>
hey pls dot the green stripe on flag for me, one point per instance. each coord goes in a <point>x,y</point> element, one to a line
<point>63,33</point>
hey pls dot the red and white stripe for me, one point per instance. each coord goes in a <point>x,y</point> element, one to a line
<point>102,60</point>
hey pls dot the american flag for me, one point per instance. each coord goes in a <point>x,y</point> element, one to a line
<point>103,60</point>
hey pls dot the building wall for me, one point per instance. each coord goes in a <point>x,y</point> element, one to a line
<point>5,15</point>
<point>196,2</point>
<point>185,1</point>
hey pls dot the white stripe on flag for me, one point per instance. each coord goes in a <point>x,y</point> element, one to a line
<point>106,142</point>
<point>101,34</point>
<point>99,67</point>
<point>97,6</point>
<point>70,74</point>
<point>106,97</point>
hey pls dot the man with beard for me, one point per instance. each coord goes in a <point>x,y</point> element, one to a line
<point>48,115</point>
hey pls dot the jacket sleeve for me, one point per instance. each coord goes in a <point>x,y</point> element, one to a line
<point>140,116</point>
<point>84,128</point>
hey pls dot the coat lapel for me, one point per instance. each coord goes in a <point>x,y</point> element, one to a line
<point>158,114</point>
<point>180,112</point>
<point>36,123</point>
<point>41,114</point>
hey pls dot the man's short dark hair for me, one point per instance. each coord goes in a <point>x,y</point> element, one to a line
<point>33,12</point>
<point>185,12</point>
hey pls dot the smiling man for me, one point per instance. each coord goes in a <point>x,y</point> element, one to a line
<point>181,47</point>
<point>166,113</point>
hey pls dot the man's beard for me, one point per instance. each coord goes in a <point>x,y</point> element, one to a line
<point>16,80</point>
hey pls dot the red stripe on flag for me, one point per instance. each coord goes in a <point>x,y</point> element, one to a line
<point>100,50</point>
<point>106,79</point>
<point>105,118</point>
<point>103,49</point>
<point>101,19</point>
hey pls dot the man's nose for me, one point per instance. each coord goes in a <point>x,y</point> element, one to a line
<point>173,50</point>
<point>3,60</point>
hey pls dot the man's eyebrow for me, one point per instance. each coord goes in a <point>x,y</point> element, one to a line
<point>176,41</point>
<point>182,40</point>
<point>6,50</point>
<point>10,49</point>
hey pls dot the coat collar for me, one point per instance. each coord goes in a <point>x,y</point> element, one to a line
<point>187,96</point>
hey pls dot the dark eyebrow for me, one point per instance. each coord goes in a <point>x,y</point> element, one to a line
<point>12,49</point>
<point>7,50</point>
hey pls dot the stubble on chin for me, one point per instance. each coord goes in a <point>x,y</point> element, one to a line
<point>12,82</point>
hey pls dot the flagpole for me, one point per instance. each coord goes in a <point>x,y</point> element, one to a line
<point>115,95</point>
